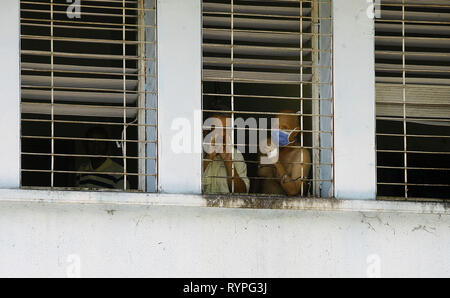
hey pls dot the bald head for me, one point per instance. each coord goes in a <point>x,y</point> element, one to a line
<point>288,122</point>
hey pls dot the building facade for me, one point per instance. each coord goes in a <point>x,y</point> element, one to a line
<point>165,226</point>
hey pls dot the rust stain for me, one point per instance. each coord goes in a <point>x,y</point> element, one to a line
<point>252,202</point>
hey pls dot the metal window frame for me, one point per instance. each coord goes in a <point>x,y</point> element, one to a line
<point>406,98</point>
<point>145,42</point>
<point>321,99</point>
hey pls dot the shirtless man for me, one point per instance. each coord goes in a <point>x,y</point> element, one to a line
<point>290,165</point>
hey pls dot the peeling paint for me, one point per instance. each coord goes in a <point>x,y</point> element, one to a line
<point>424,228</point>
<point>111,211</point>
<point>366,220</point>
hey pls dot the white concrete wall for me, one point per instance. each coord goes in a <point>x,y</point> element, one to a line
<point>354,100</point>
<point>41,239</point>
<point>10,94</point>
<point>179,26</point>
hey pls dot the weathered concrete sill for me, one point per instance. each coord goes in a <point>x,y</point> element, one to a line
<point>247,202</point>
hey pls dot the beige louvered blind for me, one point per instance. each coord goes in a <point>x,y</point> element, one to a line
<point>413,99</point>
<point>88,66</point>
<point>263,59</point>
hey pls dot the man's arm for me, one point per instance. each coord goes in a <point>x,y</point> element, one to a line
<point>292,183</point>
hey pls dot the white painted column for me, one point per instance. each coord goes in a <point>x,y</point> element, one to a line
<point>354,96</point>
<point>179,29</point>
<point>10,94</point>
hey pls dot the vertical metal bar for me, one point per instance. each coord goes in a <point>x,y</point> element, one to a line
<point>142,133</point>
<point>232,95</point>
<point>124,141</point>
<point>52,84</point>
<point>202,99</point>
<point>405,156</point>
<point>315,101</point>
<point>301,93</point>
<point>331,15</point>
<point>155,89</point>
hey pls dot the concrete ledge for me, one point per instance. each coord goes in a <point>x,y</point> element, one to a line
<point>247,202</point>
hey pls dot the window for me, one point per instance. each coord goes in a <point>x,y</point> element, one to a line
<point>88,94</point>
<point>267,60</point>
<point>412,101</point>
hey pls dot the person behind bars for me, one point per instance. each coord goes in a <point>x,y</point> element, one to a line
<point>284,166</point>
<point>100,171</point>
<point>225,170</point>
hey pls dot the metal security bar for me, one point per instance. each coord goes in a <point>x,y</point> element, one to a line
<point>413,99</point>
<point>266,61</point>
<point>89,94</point>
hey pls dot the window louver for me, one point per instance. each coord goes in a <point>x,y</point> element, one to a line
<point>413,99</point>
<point>261,57</point>
<point>264,37</point>
<point>85,64</point>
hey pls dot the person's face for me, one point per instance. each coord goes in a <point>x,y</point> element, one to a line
<point>95,147</point>
<point>288,124</point>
